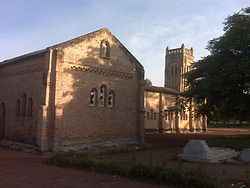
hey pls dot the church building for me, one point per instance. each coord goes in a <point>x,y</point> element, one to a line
<point>90,90</point>
<point>86,90</point>
<point>162,113</point>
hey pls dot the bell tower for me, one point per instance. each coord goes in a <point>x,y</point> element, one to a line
<point>178,61</point>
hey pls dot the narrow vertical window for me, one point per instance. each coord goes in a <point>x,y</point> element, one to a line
<point>18,107</point>
<point>105,49</point>
<point>24,98</point>
<point>102,96</point>
<point>30,106</point>
<point>172,70</point>
<point>111,98</point>
<point>151,114</point>
<point>148,115</point>
<point>166,116</point>
<point>155,115</point>
<point>93,97</point>
<point>175,70</point>
<point>184,115</point>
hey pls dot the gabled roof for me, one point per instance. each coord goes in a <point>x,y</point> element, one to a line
<point>77,39</point>
<point>71,41</point>
<point>88,35</point>
<point>161,90</point>
<point>32,54</point>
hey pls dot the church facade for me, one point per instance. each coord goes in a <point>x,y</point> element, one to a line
<point>86,90</point>
<point>90,90</point>
<point>162,113</point>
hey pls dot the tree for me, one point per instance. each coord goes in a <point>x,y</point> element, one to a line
<point>147,82</point>
<point>223,77</point>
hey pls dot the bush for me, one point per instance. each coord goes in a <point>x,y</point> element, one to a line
<point>148,172</point>
<point>237,143</point>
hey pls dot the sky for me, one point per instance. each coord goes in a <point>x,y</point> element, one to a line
<point>145,27</point>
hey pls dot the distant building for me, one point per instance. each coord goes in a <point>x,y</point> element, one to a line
<point>161,110</point>
<point>86,90</point>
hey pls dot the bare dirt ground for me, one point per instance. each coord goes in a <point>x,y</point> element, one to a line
<point>26,170</point>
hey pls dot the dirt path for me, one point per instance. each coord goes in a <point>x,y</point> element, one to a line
<point>25,170</point>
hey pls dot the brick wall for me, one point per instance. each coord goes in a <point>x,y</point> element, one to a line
<point>79,69</point>
<point>60,80</point>
<point>16,79</point>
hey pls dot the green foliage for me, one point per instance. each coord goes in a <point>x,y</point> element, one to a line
<point>237,143</point>
<point>148,172</point>
<point>229,124</point>
<point>247,174</point>
<point>223,77</point>
<point>147,82</point>
<point>134,158</point>
<point>150,158</point>
<point>164,162</point>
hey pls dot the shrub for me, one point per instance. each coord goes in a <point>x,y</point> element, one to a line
<point>147,171</point>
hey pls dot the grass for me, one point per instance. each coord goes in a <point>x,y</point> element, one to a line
<point>146,171</point>
<point>231,124</point>
<point>237,143</point>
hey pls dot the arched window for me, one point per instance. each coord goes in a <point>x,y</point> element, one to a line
<point>155,115</point>
<point>24,104</point>
<point>30,106</point>
<point>105,49</point>
<point>111,99</point>
<point>18,107</point>
<point>93,97</point>
<point>151,114</point>
<point>183,115</point>
<point>166,115</point>
<point>103,90</point>
<point>148,115</point>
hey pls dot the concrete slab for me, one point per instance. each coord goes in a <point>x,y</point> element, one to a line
<point>245,155</point>
<point>199,151</point>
